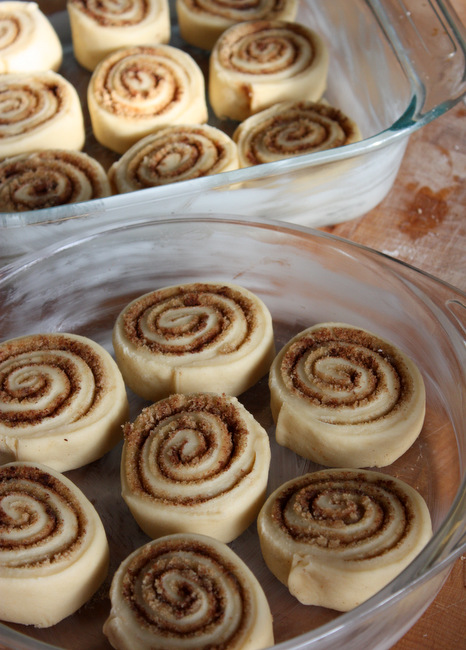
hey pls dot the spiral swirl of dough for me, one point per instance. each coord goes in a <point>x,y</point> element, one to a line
<point>195,462</point>
<point>259,63</point>
<point>42,521</point>
<point>50,535</point>
<point>38,111</point>
<point>62,401</point>
<point>48,178</point>
<point>194,337</point>
<point>187,592</point>
<point>136,89</point>
<point>267,48</point>
<point>343,396</point>
<point>27,39</point>
<point>203,21</point>
<point>341,525</point>
<point>118,14</point>
<point>171,154</point>
<point>290,129</point>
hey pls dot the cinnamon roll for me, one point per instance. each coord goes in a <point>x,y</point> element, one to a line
<point>259,63</point>
<point>195,463</point>
<point>171,154</point>
<point>202,22</point>
<point>337,536</point>
<point>62,400</point>
<point>28,42</point>
<point>291,129</point>
<point>48,178</point>
<point>344,397</point>
<point>99,27</point>
<point>53,548</point>
<point>187,592</point>
<point>39,110</point>
<point>136,89</point>
<point>194,337</point>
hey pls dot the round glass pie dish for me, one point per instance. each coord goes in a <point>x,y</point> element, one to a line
<point>80,285</point>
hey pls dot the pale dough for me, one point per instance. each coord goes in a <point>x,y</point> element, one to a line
<point>345,397</point>
<point>54,553</point>
<point>195,463</point>
<point>195,337</point>
<point>63,400</point>
<point>187,592</point>
<point>335,537</point>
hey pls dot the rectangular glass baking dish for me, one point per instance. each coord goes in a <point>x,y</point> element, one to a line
<point>394,66</point>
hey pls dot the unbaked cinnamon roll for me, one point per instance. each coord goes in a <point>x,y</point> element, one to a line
<point>202,22</point>
<point>345,397</point>
<point>136,89</point>
<point>187,592</point>
<point>195,463</point>
<point>171,154</point>
<point>28,42</point>
<point>53,548</point>
<point>259,63</point>
<point>39,110</point>
<point>99,27</point>
<point>194,337</point>
<point>62,400</point>
<point>48,178</point>
<point>336,537</point>
<point>291,129</point>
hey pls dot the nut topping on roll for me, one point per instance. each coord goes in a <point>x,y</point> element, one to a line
<point>62,400</point>
<point>291,129</point>
<point>194,337</point>
<point>187,592</point>
<point>39,110</point>
<point>53,547</point>
<point>137,89</point>
<point>336,537</point>
<point>202,22</point>
<point>171,154</point>
<point>28,42</point>
<point>344,397</point>
<point>48,178</point>
<point>99,27</point>
<point>259,63</point>
<point>195,463</point>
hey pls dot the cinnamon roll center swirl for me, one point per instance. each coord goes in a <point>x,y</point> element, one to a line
<point>181,321</point>
<point>10,29</point>
<point>184,443</point>
<point>41,522</point>
<point>183,589</point>
<point>238,10</point>
<point>346,515</point>
<point>141,83</point>
<point>114,13</point>
<point>47,381</point>
<point>25,106</point>
<point>346,370</point>
<point>263,48</point>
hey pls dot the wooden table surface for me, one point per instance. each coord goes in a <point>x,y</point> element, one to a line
<point>422,221</point>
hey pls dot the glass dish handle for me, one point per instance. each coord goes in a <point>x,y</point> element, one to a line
<point>434,59</point>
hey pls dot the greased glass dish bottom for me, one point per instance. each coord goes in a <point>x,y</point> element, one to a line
<point>304,277</point>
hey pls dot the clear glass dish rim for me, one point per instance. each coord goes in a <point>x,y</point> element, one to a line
<point>451,533</point>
